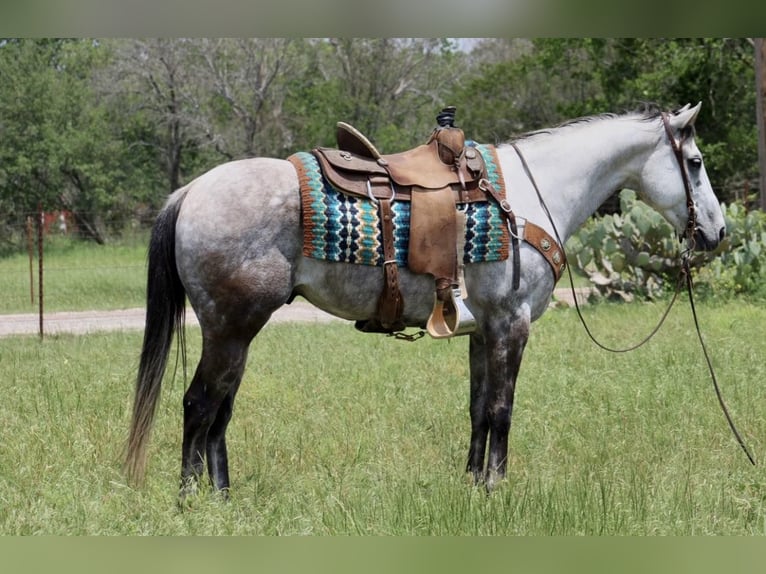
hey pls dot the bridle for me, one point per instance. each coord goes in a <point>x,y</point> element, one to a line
<point>684,275</point>
<point>677,146</point>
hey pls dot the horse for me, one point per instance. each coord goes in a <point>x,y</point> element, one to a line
<point>230,241</point>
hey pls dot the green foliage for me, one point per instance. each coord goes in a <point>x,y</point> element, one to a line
<point>58,142</point>
<point>632,252</point>
<point>391,89</point>
<point>28,138</point>
<point>637,252</point>
<point>479,100</point>
<point>740,265</point>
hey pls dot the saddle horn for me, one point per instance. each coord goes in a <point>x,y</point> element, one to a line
<point>450,138</point>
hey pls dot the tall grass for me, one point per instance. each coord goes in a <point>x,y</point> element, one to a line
<point>336,432</point>
<point>77,275</point>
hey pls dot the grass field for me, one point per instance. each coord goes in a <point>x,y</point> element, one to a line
<point>336,432</point>
<point>77,276</point>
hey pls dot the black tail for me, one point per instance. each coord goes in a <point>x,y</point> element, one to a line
<point>165,305</point>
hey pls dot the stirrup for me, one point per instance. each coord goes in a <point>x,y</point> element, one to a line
<point>451,318</point>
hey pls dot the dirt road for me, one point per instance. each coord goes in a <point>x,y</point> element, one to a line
<point>81,322</point>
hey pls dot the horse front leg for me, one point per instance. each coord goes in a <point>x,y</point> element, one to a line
<point>493,385</point>
<point>479,418</point>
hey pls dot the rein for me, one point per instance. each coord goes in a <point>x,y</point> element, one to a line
<point>684,276</point>
<point>690,288</point>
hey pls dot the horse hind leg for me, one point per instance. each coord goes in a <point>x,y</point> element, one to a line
<point>208,404</point>
<point>216,452</point>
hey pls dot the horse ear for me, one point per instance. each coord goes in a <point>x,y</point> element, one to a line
<point>685,116</point>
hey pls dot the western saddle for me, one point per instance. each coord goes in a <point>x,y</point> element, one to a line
<point>435,178</point>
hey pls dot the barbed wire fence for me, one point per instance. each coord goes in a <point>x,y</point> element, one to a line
<point>46,265</point>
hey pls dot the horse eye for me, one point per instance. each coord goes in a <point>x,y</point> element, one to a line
<point>695,162</point>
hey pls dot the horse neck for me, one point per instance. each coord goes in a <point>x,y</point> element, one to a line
<point>578,167</point>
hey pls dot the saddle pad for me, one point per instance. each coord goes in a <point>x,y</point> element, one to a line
<point>346,229</point>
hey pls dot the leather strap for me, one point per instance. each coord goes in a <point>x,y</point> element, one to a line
<point>505,207</point>
<point>541,240</point>
<point>390,304</point>
<point>539,235</point>
<point>691,223</point>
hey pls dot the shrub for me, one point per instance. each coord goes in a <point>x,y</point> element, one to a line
<point>633,252</point>
<point>740,264</point>
<point>637,253</point>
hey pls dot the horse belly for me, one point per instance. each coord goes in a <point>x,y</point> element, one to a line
<point>351,291</point>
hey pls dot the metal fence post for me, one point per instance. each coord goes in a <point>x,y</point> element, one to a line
<point>40,225</point>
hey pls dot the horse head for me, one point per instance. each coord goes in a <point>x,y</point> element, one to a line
<point>675,183</point>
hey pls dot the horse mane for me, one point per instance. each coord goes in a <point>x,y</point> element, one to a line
<point>646,111</point>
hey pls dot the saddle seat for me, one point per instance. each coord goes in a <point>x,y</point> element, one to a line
<point>357,168</point>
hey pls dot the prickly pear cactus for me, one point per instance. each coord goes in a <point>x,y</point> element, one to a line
<point>740,267</point>
<point>634,252</point>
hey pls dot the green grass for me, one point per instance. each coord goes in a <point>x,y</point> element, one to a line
<point>77,276</point>
<point>336,432</point>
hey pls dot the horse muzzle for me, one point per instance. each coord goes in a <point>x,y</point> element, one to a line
<point>704,242</point>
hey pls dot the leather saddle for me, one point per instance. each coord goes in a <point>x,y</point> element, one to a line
<point>364,172</point>
<point>434,177</point>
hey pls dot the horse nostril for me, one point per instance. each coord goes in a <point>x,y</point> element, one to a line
<point>722,234</point>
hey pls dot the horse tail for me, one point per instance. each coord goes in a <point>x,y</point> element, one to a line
<point>165,314</point>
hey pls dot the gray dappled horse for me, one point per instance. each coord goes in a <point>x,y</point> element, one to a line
<point>231,242</point>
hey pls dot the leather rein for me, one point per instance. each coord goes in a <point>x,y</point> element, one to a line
<point>684,275</point>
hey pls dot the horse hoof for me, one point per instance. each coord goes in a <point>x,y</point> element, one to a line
<point>493,481</point>
<point>187,492</point>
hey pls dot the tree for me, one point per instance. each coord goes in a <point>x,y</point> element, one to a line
<point>55,148</point>
<point>154,80</point>
<point>391,89</point>
<point>244,82</point>
<point>29,158</point>
<point>760,94</point>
